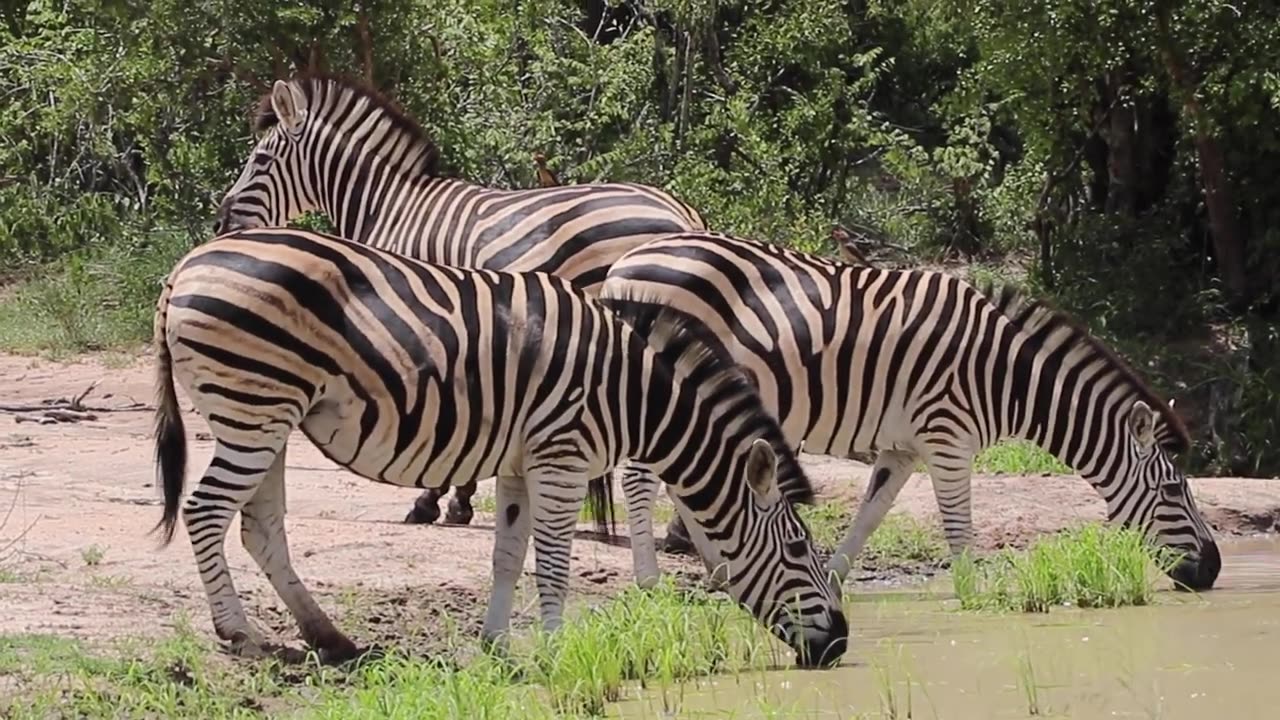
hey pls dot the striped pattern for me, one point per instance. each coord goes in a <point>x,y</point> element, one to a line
<point>333,145</point>
<point>411,374</point>
<point>920,366</point>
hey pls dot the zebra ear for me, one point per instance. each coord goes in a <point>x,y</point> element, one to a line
<point>1142,423</point>
<point>289,104</point>
<point>762,472</point>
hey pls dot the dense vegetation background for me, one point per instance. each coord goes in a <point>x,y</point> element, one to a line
<point>1119,156</point>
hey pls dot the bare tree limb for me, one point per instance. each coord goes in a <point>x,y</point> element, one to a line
<point>364,48</point>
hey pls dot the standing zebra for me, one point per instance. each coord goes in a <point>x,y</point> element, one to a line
<point>334,145</point>
<point>412,373</point>
<point>919,365</point>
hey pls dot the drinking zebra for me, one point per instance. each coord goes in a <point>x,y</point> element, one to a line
<point>413,373</point>
<point>919,365</point>
<point>334,145</point>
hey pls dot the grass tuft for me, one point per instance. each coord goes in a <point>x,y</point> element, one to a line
<point>1092,566</point>
<point>1018,457</point>
<point>900,541</point>
<point>92,555</point>
<point>656,637</point>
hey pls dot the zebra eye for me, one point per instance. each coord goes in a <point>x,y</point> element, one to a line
<point>263,158</point>
<point>797,549</point>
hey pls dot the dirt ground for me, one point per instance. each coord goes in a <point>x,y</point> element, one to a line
<point>76,559</point>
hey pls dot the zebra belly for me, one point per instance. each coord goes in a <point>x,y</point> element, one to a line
<point>815,415</point>
<point>402,450</point>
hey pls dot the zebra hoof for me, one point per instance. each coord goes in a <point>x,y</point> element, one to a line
<point>458,513</point>
<point>675,544</point>
<point>347,654</point>
<point>422,514</point>
<point>245,645</point>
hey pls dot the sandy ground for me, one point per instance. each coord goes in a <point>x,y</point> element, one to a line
<point>72,490</point>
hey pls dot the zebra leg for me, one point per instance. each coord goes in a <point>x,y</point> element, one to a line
<point>951,488</point>
<point>717,569</point>
<point>233,478</point>
<point>426,507</point>
<point>557,501</point>
<point>639,491</point>
<point>510,545</point>
<point>262,533</point>
<point>460,510</point>
<point>888,476</point>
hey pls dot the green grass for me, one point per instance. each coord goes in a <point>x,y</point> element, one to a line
<point>660,638</point>
<point>900,540</point>
<point>102,298</point>
<point>174,677</point>
<point>92,555</point>
<point>1018,457</point>
<point>1093,566</point>
<point>656,639</point>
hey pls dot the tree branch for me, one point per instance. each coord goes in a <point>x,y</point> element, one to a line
<point>364,46</point>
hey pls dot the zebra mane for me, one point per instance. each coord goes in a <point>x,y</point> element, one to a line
<point>1039,320</point>
<point>319,87</point>
<point>689,345</point>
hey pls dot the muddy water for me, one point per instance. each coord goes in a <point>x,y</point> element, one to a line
<point>1212,656</point>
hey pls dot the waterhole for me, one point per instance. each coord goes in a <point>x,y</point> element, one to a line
<point>914,655</point>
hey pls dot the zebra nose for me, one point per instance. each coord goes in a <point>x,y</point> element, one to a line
<point>826,651</point>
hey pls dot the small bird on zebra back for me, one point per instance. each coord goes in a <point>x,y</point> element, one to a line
<point>847,248</point>
<point>415,373</point>
<point>336,145</point>
<point>546,178</point>
<point>919,366</point>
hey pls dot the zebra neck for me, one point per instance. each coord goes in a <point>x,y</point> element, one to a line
<point>376,204</point>
<point>671,428</point>
<point>1069,409</point>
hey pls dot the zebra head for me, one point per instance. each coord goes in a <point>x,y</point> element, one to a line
<point>275,186</point>
<point>1162,503</point>
<point>774,569</point>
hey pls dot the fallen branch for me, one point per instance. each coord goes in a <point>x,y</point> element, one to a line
<point>64,410</point>
<point>56,415</point>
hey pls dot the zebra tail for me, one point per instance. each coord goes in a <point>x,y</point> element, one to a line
<point>600,505</point>
<point>170,433</point>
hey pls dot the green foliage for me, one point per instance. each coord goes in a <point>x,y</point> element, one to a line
<point>1065,131</point>
<point>1093,566</point>
<point>100,297</point>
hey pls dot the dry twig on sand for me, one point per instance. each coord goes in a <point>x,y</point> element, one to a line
<point>63,410</point>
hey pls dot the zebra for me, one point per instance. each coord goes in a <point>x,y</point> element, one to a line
<point>335,145</point>
<point>919,365</point>
<point>410,373</point>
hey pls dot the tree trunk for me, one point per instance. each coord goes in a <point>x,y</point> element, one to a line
<point>364,47</point>
<point>1228,243</point>
<point>1121,165</point>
